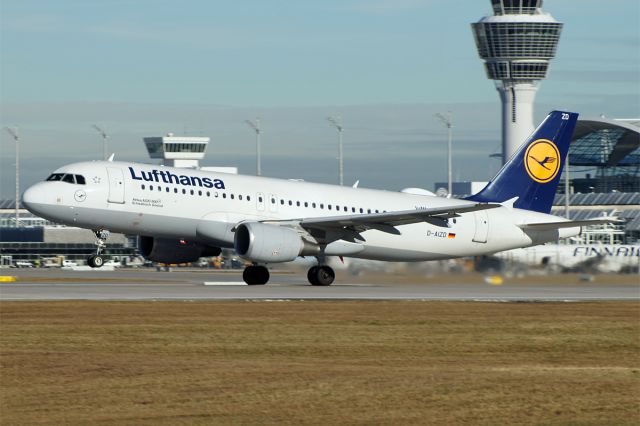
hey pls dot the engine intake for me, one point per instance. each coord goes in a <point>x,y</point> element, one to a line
<point>270,243</point>
<point>174,251</point>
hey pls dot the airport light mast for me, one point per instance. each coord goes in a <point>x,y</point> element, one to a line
<point>447,121</point>
<point>337,123</point>
<point>104,140</point>
<point>516,43</point>
<point>14,135</point>
<point>255,125</point>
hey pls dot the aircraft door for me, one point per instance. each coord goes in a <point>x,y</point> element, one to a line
<point>116,185</point>
<point>482,226</point>
<point>260,201</point>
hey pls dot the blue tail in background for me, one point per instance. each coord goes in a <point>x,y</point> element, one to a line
<point>533,173</point>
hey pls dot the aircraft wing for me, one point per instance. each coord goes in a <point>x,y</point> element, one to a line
<point>543,226</point>
<point>386,222</point>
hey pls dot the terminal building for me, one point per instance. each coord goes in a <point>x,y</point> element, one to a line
<point>603,179</point>
<point>41,242</point>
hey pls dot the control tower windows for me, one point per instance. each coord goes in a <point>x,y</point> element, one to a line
<point>184,147</point>
<point>515,7</point>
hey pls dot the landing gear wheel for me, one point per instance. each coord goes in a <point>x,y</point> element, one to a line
<point>95,261</point>
<point>311,275</point>
<point>255,275</point>
<point>321,275</point>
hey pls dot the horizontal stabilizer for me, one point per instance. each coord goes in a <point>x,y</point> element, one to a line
<point>568,223</point>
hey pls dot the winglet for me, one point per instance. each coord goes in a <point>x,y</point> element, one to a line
<point>355,185</point>
<point>111,157</point>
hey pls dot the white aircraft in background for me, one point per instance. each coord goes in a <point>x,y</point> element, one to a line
<point>601,257</point>
<point>184,214</point>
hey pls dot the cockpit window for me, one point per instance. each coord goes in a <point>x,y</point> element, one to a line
<point>69,178</point>
<point>55,177</point>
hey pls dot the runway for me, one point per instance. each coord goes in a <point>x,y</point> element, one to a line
<point>211,285</point>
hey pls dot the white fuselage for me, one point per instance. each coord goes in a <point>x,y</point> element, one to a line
<point>172,203</point>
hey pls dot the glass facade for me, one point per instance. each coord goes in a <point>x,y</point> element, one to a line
<point>154,147</point>
<point>516,70</point>
<point>515,7</point>
<point>517,40</point>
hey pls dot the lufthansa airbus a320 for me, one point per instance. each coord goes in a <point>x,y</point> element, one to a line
<point>184,214</point>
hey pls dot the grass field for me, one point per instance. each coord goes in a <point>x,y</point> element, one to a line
<point>184,363</point>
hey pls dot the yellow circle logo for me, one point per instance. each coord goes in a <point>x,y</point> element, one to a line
<point>542,160</point>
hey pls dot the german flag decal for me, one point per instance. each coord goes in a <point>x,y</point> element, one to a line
<point>451,235</point>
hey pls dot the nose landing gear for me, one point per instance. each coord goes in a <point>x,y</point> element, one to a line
<point>96,261</point>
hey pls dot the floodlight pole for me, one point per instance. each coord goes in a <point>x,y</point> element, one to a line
<point>566,187</point>
<point>337,123</point>
<point>447,121</point>
<point>255,125</point>
<point>14,134</point>
<point>104,140</point>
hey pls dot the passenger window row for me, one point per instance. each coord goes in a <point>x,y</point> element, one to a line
<point>305,204</point>
<point>333,207</point>
<point>198,192</point>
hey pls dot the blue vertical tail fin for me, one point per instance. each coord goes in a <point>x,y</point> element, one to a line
<point>533,173</point>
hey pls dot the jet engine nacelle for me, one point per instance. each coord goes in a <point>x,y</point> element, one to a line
<point>270,243</point>
<point>174,251</point>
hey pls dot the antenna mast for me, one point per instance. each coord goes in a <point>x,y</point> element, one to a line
<point>337,123</point>
<point>446,119</point>
<point>104,140</point>
<point>14,134</point>
<point>255,125</point>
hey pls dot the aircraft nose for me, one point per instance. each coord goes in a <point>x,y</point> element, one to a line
<point>34,195</point>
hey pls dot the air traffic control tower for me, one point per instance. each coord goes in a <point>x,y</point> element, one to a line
<point>516,43</point>
<point>177,151</point>
<point>182,151</point>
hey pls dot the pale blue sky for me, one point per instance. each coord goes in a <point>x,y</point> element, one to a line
<point>143,67</point>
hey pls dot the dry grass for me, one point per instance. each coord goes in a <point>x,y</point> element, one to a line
<point>184,363</point>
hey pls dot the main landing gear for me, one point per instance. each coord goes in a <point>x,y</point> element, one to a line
<point>318,275</point>
<point>255,275</point>
<point>96,261</point>
<point>321,275</point>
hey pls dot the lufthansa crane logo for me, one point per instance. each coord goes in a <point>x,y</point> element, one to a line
<point>542,160</point>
